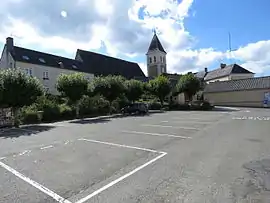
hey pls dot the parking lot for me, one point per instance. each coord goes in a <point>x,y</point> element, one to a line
<point>163,157</point>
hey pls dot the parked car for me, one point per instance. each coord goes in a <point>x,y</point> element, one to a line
<point>200,105</point>
<point>136,108</point>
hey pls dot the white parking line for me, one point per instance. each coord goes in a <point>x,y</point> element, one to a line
<point>47,147</point>
<point>156,134</point>
<point>35,184</point>
<point>169,126</point>
<point>162,154</point>
<point>120,145</point>
<point>1,158</point>
<point>24,152</point>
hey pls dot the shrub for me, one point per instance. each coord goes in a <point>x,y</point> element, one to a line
<point>67,112</point>
<point>90,106</point>
<point>154,105</point>
<point>119,103</point>
<point>179,107</point>
<point>30,115</point>
<point>51,112</point>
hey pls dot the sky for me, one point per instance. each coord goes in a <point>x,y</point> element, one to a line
<point>195,33</point>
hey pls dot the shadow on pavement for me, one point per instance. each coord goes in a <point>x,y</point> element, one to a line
<point>23,131</point>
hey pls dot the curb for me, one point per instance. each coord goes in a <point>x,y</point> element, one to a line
<point>74,120</point>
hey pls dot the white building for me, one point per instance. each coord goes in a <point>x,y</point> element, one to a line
<point>47,67</point>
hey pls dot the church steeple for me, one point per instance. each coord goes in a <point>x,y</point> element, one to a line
<point>156,58</point>
<point>155,44</point>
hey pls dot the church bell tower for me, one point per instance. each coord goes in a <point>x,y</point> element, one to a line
<point>156,58</point>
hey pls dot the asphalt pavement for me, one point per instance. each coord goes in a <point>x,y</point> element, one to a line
<point>180,156</point>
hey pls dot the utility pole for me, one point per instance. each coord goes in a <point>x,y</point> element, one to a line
<point>230,46</point>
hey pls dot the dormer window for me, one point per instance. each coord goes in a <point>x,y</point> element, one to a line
<point>61,64</point>
<point>41,60</point>
<point>150,60</point>
<point>74,67</point>
<point>25,58</point>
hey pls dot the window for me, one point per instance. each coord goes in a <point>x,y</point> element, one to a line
<point>10,65</point>
<point>161,58</point>
<point>150,60</point>
<point>45,75</point>
<point>163,69</point>
<point>164,59</point>
<point>74,67</point>
<point>25,57</point>
<point>41,60</point>
<point>155,59</point>
<point>28,71</point>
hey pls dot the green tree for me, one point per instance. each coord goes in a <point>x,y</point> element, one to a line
<point>18,90</point>
<point>134,90</point>
<point>111,87</point>
<point>188,84</point>
<point>160,87</point>
<point>72,86</point>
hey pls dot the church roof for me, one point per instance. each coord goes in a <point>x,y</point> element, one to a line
<point>155,44</point>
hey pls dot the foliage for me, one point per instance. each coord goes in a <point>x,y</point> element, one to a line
<point>154,105</point>
<point>160,87</point>
<point>189,85</point>
<point>51,112</point>
<point>30,115</point>
<point>134,90</point>
<point>17,90</point>
<point>110,87</point>
<point>90,106</point>
<point>73,86</point>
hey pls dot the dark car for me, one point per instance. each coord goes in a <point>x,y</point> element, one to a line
<point>200,105</point>
<point>136,108</point>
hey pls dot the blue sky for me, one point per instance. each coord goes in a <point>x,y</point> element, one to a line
<point>193,32</point>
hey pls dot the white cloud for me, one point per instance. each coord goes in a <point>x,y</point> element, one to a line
<point>115,24</point>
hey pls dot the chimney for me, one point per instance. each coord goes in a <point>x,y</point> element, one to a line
<point>222,65</point>
<point>10,44</point>
<point>206,70</point>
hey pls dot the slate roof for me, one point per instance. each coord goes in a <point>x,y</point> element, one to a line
<point>99,64</point>
<point>200,74</point>
<point>44,59</point>
<point>156,45</point>
<point>239,85</point>
<point>222,72</point>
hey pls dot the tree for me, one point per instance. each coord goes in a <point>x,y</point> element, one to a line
<point>72,86</point>
<point>189,85</point>
<point>134,90</point>
<point>110,87</point>
<point>160,87</point>
<point>17,90</point>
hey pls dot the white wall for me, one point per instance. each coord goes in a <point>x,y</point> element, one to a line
<point>241,76</point>
<point>6,60</point>
<point>53,73</point>
<point>218,79</point>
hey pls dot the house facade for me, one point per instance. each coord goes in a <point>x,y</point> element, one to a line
<point>47,67</point>
<point>227,72</point>
<point>249,92</point>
